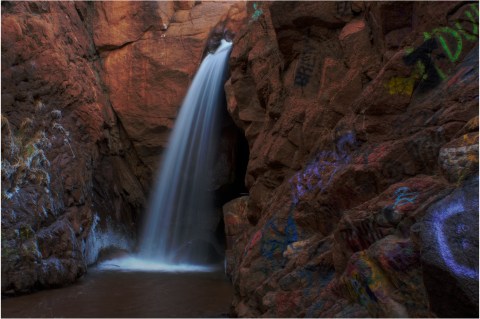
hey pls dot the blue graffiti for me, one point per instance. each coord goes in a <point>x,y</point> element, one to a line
<point>440,217</point>
<point>319,174</point>
<point>278,243</point>
<point>404,196</point>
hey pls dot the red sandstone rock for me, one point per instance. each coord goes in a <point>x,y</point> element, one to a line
<point>352,141</point>
<point>89,95</point>
<point>150,52</point>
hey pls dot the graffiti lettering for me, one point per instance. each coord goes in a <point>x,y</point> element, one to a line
<point>426,72</point>
<point>453,56</point>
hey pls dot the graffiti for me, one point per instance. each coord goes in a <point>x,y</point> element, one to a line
<point>320,173</point>
<point>399,85</point>
<point>365,283</point>
<point>307,64</point>
<point>473,36</point>
<point>358,290</point>
<point>404,196</point>
<point>274,241</point>
<point>425,68</point>
<point>257,13</point>
<point>441,217</point>
<point>452,56</point>
<point>443,33</point>
<point>426,72</point>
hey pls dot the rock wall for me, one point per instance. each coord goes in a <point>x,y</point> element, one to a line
<point>150,52</point>
<point>362,124</point>
<point>89,93</point>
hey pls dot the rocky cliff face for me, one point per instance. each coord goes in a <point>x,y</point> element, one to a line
<point>89,93</point>
<point>362,125</point>
<point>150,51</point>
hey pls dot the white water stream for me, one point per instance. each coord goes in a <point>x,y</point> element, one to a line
<point>178,234</point>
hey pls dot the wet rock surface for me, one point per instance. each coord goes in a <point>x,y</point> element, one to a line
<point>361,120</point>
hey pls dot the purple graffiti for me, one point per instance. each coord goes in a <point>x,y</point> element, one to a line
<point>441,216</point>
<point>319,174</point>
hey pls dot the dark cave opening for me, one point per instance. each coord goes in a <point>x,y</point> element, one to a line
<point>233,148</point>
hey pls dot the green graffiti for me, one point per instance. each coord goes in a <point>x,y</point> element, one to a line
<point>258,12</point>
<point>453,56</point>
<point>426,36</point>
<point>442,32</point>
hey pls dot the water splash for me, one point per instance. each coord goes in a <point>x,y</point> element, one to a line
<point>146,265</point>
<point>180,221</point>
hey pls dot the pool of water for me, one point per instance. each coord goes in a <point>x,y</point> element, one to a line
<point>126,294</point>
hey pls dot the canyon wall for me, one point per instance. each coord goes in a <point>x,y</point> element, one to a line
<point>362,125</point>
<point>90,91</point>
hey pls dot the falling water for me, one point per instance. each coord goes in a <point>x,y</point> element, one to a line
<point>180,221</point>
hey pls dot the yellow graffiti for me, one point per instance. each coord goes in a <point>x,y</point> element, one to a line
<point>399,85</point>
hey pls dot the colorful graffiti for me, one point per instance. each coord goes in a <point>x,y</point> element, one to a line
<point>441,217</point>
<point>275,241</point>
<point>319,174</point>
<point>427,73</point>
<point>404,196</point>
<point>364,282</point>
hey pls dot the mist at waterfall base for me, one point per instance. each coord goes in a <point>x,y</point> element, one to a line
<point>178,234</point>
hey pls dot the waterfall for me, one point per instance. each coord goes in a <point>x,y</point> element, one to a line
<point>180,220</point>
